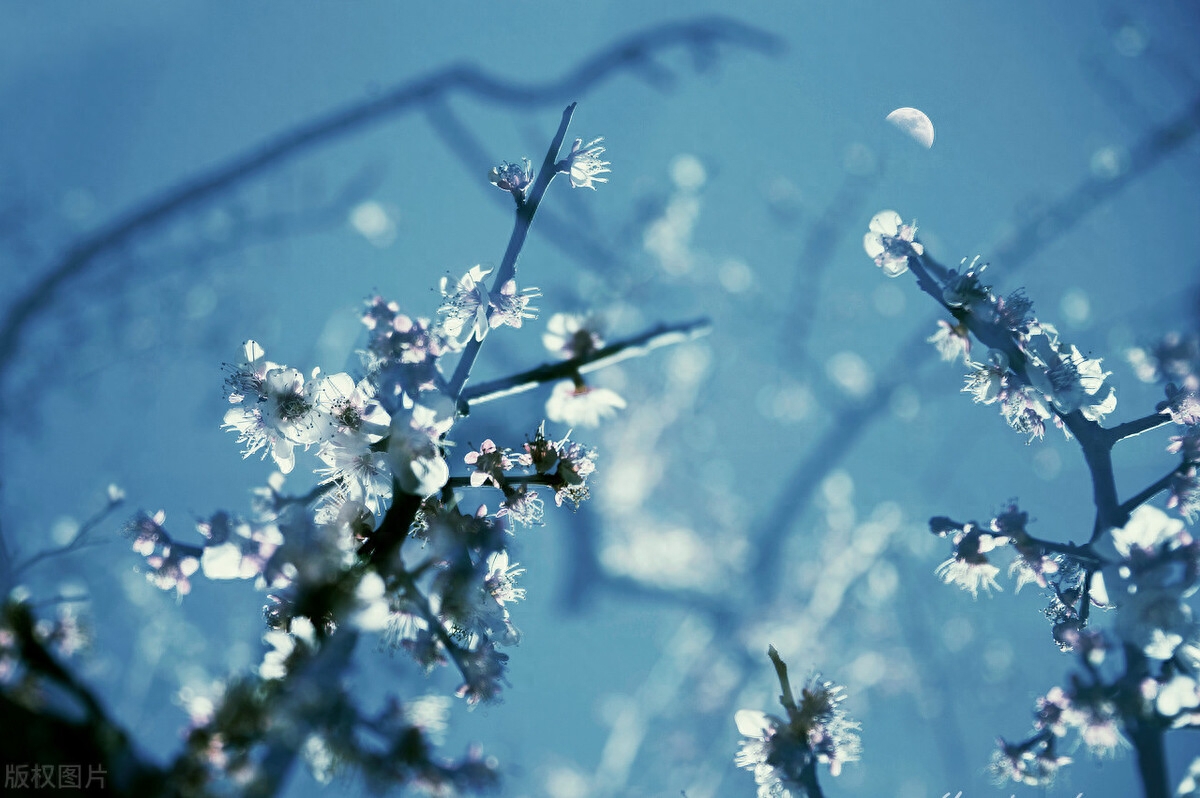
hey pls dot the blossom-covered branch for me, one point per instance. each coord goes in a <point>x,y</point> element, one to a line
<point>1136,560</point>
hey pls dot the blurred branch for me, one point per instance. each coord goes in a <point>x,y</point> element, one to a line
<point>78,541</point>
<point>1062,216</point>
<point>816,255</point>
<point>701,38</point>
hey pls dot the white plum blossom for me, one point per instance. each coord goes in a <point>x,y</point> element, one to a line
<point>466,306</point>
<point>414,453</point>
<point>581,405</point>
<point>952,341</point>
<point>372,612</point>
<point>352,406</point>
<point>1153,564</point>
<point>363,474</point>
<point>283,644</point>
<point>276,409</point>
<point>987,380</point>
<point>584,165</point>
<point>510,306</point>
<point>890,242</point>
<point>969,568</point>
<point>569,335</point>
<point>1067,378</point>
<point>501,579</point>
<point>512,177</point>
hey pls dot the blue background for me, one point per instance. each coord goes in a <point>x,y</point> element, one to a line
<point>619,687</point>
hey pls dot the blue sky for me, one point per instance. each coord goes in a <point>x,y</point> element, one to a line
<point>719,204</point>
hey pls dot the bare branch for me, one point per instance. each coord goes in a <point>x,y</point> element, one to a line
<point>637,346</point>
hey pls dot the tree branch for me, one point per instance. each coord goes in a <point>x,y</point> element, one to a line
<point>526,209</point>
<point>637,346</point>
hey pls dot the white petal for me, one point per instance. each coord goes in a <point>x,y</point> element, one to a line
<point>222,562</point>
<point>752,722</point>
<point>886,222</point>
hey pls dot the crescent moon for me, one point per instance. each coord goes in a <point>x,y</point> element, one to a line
<point>915,124</point>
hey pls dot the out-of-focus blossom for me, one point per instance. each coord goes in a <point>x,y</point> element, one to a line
<point>414,453</point>
<point>1153,565</point>
<point>581,405</point>
<point>952,341</point>
<point>1024,765</point>
<point>569,335</point>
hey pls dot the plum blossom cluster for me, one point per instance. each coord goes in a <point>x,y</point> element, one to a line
<point>1151,567</point>
<point>1141,676</point>
<point>1060,570</point>
<point>1056,380</point>
<point>1028,371</point>
<point>783,753</point>
<point>380,544</point>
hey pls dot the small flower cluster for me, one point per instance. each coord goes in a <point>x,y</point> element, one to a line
<point>1088,707</point>
<point>1058,381</point>
<point>66,635</point>
<point>470,310</point>
<point>782,754</point>
<point>1152,565</point>
<point>379,544</point>
<point>1034,763</point>
<point>1064,576</point>
<point>1175,360</point>
<point>233,549</point>
<point>1035,377</point>
<point>970,567</point>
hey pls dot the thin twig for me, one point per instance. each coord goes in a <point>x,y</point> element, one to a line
<point>637,346</point>
<point>78,540</point>
<point>526,209</point>
<point>1136,427</point>
<point>1152,490</point>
